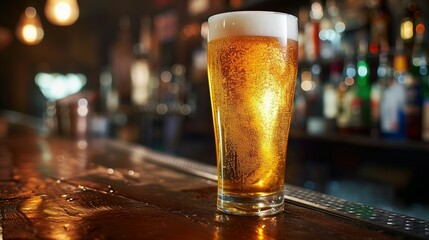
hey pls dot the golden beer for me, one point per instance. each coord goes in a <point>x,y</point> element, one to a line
<point>252,82</point>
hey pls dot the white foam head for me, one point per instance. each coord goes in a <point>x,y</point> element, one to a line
<point>253,23</point>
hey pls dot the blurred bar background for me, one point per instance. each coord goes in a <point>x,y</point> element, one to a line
<point>135,71</point>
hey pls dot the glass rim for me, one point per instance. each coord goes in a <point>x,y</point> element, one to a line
<point>244,12</point>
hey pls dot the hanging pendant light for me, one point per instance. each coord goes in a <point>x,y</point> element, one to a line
<point>29,29</point>
<point>62,12</point>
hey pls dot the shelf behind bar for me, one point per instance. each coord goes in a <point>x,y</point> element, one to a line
<point>361,140</point>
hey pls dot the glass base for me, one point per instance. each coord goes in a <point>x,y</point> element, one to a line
<point>251,206</point>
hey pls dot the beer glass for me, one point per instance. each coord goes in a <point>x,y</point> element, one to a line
<point>252,66</point>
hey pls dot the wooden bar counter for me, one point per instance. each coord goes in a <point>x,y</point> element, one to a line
<point>59,188</point>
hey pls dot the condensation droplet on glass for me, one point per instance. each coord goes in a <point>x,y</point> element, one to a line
<point>131,172</point>
<point>110,190</point>
<point>110,171</point>
<point>66,227</point>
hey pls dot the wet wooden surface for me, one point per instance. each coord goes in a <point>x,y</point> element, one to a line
<point>55,188</point>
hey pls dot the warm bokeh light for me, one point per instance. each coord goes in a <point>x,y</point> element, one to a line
<point>349,81</point>
<point>62,12</point>
<point>204,29</point>
<point>29,32</point>
<point>407,30</point>
<point>420,28</point>
<point>29,29</point>
<point>307,86</point>
<point>307,83</point>
<point>140,80</point>
<point>316,11</point>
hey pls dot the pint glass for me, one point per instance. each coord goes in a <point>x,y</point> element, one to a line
<point>252,66</point>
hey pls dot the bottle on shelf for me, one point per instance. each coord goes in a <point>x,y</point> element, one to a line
<point>330,31</point>
<point>121,57</point>
<point>425,100</point>
<point>384,71</point>
<point>303,18</point>
<point>348,103</point>
<point>413,104</point>
<point>300,104</point>
<point>363,87</point>
<point>392,107</point>
<point>315,122</point>
<point>380,19</point>
<point>419,94</point>
<point>331,94</point>
<point>407,25</point>
<point>311,31</point>
<point>141,74</point>
<point>411,37</point>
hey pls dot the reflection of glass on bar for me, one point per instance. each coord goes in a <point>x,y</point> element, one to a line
<point>252,65</point>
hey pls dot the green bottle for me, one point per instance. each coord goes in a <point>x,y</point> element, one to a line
<point>363,85</point>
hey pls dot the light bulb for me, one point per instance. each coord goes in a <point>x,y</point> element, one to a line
<point>29,29</point>
<point>62,12</point>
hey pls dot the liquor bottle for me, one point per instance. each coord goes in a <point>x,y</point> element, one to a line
<point>299,107</point>
<point>380,19</point>
<point>329,38</point>
<point>330,96</point>
<point>311,31</point>
<point>363,86</point>
<point>141,90</point>
<point>407,25</point>
<point>121,59</point>
<point>425,99</point>
<point>303,18</point>
<point>419,69</point>
<point>384,70</point>
<point>413,104</point>
<point>314,104</point>
<point>348,102</point>
<point>392,107</point>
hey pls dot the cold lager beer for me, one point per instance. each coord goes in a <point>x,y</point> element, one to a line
<point>252,66</point>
